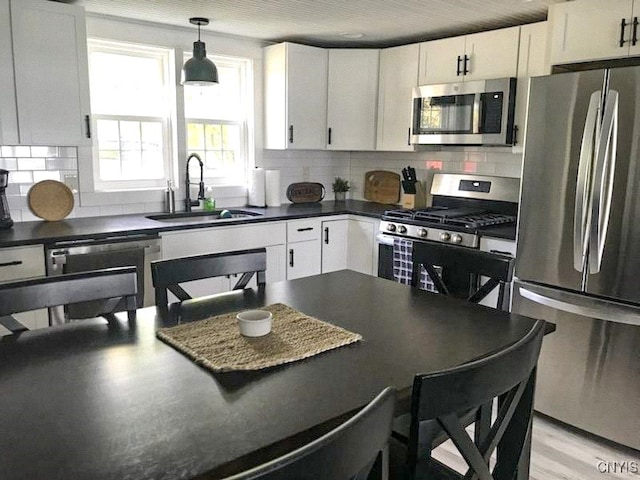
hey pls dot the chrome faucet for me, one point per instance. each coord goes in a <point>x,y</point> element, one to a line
<point>188,202</point>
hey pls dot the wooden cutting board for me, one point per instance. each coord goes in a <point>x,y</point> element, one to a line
<point>382,186</point>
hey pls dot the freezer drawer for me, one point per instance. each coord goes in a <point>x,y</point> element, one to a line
<point>588,372</point>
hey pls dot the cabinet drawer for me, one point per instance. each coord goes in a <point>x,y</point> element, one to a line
<point>303,230</point>
<point>21,262</point>
<point>497,245</point>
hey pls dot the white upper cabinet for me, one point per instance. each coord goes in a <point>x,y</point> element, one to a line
<point>295,79</point>
<point>51,72</point>
<point>586,30</point>
<point>352,99</point>
<point>441,61</point>
<point>479,56</point>
<point>398,76</point>
<point>533,61</point>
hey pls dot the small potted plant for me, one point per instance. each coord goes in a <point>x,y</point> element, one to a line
<point>340,188</point>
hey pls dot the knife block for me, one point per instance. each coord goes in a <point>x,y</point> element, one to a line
<point>415,200</point>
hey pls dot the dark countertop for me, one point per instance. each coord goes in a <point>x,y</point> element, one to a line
<point>30,233</point>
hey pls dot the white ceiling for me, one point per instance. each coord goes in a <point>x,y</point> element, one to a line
<point>322,22</point>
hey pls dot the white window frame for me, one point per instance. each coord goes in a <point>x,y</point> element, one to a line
<point>246,124</point>
<point>168,58</point>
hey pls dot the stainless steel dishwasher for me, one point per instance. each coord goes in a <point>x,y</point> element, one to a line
<point>97,253</point>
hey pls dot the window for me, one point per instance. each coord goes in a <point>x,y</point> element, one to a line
<point>131,105</point>
<point>217,122</point>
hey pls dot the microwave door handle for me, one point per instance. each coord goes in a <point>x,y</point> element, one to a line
<point>581,210</point>
<point>477,113</point>
<point>604,169</point>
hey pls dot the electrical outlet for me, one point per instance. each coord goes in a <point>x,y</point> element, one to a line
<point>71,181</point>
<point>305,174</point>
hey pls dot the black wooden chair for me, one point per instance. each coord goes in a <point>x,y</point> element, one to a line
<point>461,269</point>
<point>110,285</point>
<point>445,397</point>
<point>169,274</point>
<point>349,451</point>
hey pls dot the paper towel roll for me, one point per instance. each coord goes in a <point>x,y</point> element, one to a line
<point>257,188</point>
<point>273,188</point>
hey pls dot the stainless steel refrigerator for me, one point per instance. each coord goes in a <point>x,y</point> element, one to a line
<point>578,254</point>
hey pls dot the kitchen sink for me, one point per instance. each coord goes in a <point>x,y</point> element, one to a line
<point>207,216</point>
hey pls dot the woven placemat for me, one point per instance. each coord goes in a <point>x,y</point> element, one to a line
<point>216,343</point>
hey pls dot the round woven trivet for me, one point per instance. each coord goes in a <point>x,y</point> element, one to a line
<point>50,200</point>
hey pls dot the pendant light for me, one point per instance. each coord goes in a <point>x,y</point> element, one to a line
<point>199,70</point>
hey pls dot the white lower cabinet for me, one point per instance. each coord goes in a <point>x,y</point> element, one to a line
<point>335,235</point>
<point>225,239</point>
<point>303,248</point>
<point>349,244</point>
<point>19,263</point>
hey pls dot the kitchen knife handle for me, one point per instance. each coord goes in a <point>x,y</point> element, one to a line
<point>458,71</point>
<point>634,38</point>
<point>87,122</point>
<point>290,133</point>
<point>329,136</point>
<point>291,257</point>
<point>623,25</point>
<point>11,264</point>
<point>326,235</point>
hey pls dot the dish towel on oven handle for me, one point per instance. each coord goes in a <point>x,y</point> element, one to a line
<point>403,265</point>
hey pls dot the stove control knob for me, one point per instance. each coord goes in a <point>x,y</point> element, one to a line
<point>455,238</point>
<point>423,232</point>
<point>391,227</point>
<point>445,236</point>
<point>402,229</point>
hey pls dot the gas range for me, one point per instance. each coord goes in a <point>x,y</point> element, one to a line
<point>463,205</point>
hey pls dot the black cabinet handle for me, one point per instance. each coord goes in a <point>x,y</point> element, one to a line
<point>290,133</point>
<point>501,252</point>
<point>11,264</point>
<point>326,235</point>
<point>623,24</point>
<point>306,229</point>
<point>634,38</point>
<point>329,137</point>
<point>409,136</point>
<point>87,121</point>
<point>465,70</point>
<point>516,129</point>
<point>458,71</point>
<point>291,257</point>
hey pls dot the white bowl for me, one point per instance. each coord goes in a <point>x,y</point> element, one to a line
<point>254,323</point>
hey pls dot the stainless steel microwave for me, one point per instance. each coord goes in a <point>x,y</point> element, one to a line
<point>467,113</point>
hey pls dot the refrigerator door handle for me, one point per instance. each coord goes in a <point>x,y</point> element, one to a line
<point>604,169</point>
<point>581,304</point>
<point>581,210</point>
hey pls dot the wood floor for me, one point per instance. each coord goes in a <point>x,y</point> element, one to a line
<point>561,454</point>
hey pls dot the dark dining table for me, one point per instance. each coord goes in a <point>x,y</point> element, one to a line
<point>91,400</point>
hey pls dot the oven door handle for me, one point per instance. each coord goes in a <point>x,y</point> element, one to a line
<point>383,239</point>
<point>477,113</point>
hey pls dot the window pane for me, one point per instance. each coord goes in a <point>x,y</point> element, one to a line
<point>213,160</point>
<point>130,136</point>
<point>195,136</point>
<point>231,137</point>
<point>152,136</point>
<point>213,136</point>
<point>222,101</point>
<point>108,135</point>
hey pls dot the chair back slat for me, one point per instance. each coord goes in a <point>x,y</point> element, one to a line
<point>45,292</point>
<point>341,454</point>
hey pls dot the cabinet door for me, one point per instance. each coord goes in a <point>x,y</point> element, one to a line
<point>589,30</point>
<point>352,99</point>
<point>335,243</point>
<point>303,259</point>
<point>398,76</point>
<point>51,73</point>
<point>492,54</point>
<point>439,61</point>
<point>533,61</point>
<point>361,252</point>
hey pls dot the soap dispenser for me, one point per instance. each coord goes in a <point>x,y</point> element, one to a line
<point>209,201</point>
